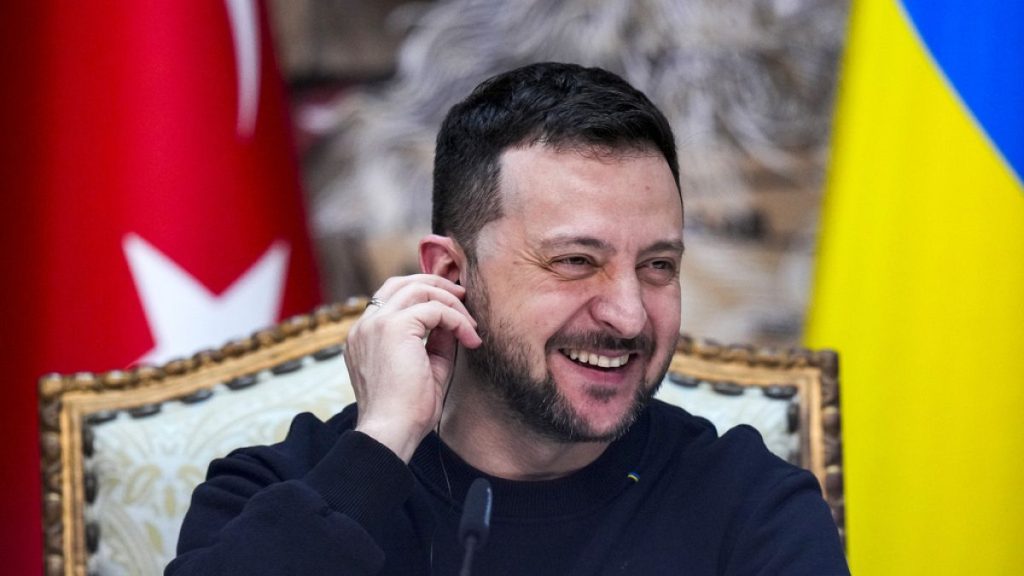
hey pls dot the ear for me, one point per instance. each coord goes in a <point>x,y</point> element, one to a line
<point>442,255</point>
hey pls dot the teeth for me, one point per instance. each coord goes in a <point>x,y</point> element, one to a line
<point>598,360</point>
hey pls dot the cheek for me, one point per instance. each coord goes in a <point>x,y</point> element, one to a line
<point>664,309</point>
<point>542,306</point>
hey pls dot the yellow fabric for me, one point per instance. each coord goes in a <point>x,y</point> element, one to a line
<point>920,287</point>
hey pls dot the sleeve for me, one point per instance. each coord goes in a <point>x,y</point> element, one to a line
<point>790,531</point>
<point>265,511</point>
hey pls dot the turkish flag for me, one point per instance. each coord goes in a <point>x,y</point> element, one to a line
<point>153,207</point>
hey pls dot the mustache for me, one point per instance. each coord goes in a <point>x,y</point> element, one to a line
<point>601,341</point>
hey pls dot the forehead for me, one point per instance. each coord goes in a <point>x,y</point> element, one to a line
<point>630,195</point>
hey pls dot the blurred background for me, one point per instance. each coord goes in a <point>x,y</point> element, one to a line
<point>178,174</point>
<point>747,86</point>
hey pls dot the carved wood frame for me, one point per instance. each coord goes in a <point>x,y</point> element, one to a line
<point>65,402</point>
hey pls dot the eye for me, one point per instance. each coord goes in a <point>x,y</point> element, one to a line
<point>574,265</point>
<point>574,260</point>
<point>660,270</point>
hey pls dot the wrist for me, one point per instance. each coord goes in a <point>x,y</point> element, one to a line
<point>400,441</point>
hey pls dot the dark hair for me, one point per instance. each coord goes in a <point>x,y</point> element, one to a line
<point>558,105</point>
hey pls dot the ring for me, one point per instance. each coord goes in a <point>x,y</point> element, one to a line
<point>375,302</point>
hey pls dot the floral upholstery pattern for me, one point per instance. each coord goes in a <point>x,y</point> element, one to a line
<point>147,467</point>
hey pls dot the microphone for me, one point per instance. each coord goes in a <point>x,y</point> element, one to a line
<point>476,521</point>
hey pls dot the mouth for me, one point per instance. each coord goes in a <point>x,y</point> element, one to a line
<point>594,359</point>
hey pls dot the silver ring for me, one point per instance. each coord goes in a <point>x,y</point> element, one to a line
<point>375,302</point>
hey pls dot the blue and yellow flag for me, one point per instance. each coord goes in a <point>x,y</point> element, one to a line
<point>920,285</point>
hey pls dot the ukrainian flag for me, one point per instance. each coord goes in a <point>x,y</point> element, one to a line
<point>920,285</point>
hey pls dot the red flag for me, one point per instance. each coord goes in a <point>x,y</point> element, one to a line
<point>156,208</point>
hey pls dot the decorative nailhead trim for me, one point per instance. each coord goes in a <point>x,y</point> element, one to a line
<point>145,410</point>
<point>241,382</point>
<point>101,417</point>
<point>793,418</point>
<point>88,441</point>
<point>728,388</point>
<point>90,485</point>
<point>197,396</point>
<point>683,380</point>
<point>92,537</point>
<point>328,353</point>
<point>287,367</point>
<point>780,392</point>
<point>53,387</point>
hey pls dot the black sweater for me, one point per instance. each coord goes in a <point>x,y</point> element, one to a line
<point>670,497</point>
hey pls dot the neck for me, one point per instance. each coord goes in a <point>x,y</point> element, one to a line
<point>484,432</point>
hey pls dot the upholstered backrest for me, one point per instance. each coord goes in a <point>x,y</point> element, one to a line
<point>791,397</point>
<point>122,451</point>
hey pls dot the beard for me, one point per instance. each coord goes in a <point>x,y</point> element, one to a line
<point>502,365</point>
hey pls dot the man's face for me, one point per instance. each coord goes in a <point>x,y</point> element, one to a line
<point>576,289</point>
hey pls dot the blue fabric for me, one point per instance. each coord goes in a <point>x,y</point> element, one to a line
<point>980,48</point>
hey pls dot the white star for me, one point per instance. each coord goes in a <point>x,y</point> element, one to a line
<point>185,317</point>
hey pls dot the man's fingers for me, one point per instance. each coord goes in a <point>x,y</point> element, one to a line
<point>434,315</point>
<point>413,294</point>
<point>396,284</point>
<point>396,377</point>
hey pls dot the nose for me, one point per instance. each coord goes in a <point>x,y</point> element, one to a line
<point>619,306</point>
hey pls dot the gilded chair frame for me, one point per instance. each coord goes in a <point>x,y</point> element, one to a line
<point>814,374</point>
<point>67,401</point>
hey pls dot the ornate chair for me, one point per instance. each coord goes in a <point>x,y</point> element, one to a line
<point>123,450</point>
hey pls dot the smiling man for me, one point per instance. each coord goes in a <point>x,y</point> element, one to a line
<point>527,353</point>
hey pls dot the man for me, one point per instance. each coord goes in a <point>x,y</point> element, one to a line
<point>527,353</point>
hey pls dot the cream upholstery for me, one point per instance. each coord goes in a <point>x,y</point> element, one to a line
<point>770,417</point>
<point>122,451</point>
<point>146,468</point>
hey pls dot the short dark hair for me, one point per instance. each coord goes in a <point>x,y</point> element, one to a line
<point>558,105</point>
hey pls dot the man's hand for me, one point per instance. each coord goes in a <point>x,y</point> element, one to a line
<point>399,381</point>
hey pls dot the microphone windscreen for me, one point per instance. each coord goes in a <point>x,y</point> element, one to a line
<point>476,513</point>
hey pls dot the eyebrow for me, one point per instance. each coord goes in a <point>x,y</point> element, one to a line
<point>676,246</point>
<point>565,241</point>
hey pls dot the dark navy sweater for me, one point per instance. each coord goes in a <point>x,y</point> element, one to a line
<point>670,497</point>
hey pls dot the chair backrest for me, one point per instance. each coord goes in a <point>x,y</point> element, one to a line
<point>122,451</point>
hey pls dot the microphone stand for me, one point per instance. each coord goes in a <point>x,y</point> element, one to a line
<point>467,559</point>
<point>476,521</point>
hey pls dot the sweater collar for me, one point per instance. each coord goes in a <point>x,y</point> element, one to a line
<point>437,467</point>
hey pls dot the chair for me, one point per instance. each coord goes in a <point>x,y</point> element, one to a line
<point>122,451</point>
